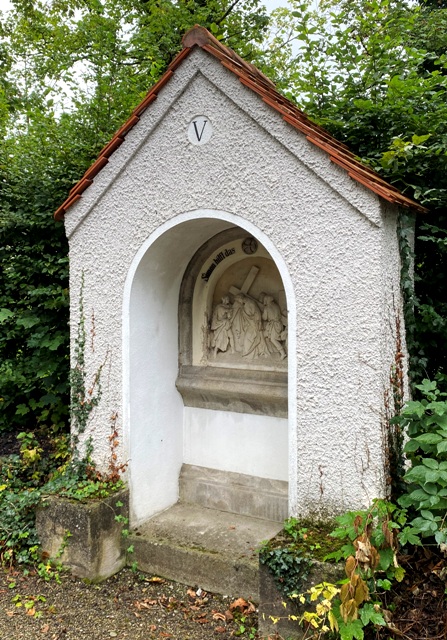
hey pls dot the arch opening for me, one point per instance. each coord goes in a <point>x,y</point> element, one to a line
<point>201,449</point>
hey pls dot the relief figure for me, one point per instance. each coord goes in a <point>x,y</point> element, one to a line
<point>273,325</point>
<point>251,319</point>
<point>249,327</point>
<point>221,326</point>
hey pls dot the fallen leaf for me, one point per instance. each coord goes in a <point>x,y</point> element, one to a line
<point>202,601</point>
<point>31,611</point>
<point>164,635</point>
<point>251,608</point>
<point>218,616</point>
<point>45,628</point>
<point>239,604</point>
<point>228,616</point>
<point>10,613</point>
<point>144,604</point>
<point>155,579</point>
<point>202,621</point>
<point>191,593</point>
<point>220,629</point>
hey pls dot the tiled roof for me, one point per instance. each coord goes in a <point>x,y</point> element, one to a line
<point>252,78</point>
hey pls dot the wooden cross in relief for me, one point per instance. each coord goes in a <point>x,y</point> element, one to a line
<point>247,282</point>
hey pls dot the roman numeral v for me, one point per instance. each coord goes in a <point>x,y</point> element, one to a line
<point>199,135</point>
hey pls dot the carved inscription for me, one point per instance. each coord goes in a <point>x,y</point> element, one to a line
<point>217,260</point>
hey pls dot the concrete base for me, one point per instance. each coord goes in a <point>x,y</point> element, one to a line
<point>272,601</point>
<point>204,547</point>
<point>234,492</point>
<point>94,547</point>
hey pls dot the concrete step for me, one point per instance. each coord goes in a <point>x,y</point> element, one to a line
<point>234,492</point>
<point>211,549</point>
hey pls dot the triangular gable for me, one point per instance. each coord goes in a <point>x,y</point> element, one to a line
<point>252,78</point>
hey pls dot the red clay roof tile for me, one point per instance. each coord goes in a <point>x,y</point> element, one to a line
<point>81,186</point>
<point>113,145</point>
<point>95,168</point>
<point>252,78</point>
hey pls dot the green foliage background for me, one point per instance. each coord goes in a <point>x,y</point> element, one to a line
<point>373,72</point>
<point>71,72</point>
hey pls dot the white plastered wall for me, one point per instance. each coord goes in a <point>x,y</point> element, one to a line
<point>326,230</point>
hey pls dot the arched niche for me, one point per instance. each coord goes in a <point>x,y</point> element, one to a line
<point>233,328</point>
<point>164,433</point>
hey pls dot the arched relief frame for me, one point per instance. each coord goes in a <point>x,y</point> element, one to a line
<point>248,386</point>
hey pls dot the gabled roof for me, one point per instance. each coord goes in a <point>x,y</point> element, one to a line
<point>252,78</point>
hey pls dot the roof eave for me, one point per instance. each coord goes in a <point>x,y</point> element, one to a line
<point>255,80</point>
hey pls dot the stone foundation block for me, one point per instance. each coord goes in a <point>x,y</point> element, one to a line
<point>271,601</point>
<point>94,549</point>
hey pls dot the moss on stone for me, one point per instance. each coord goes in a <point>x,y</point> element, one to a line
<point>309,538</point>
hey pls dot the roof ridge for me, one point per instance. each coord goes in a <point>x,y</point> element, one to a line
<point>251,77</point>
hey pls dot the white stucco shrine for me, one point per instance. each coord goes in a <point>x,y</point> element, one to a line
<point>241,284</point>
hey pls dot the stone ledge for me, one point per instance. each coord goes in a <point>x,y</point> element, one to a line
<point>94,549</point>
<point>239,390</point>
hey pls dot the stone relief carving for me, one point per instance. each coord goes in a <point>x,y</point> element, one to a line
<point>233,328</point>
<point>249,327</point>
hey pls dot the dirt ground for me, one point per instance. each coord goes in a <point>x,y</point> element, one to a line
<point>128,605</point>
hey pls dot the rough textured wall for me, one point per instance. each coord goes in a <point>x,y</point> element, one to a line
<point>329,230</point>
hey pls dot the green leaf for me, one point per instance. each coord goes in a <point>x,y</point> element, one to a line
<point>385,559</point>
<point>368,614</point>
<point>399,572</point>
<point>350,630</point>
<point>440,420</point>
<point>424,526</point>
<point>384,584</point>
<point>441,536</point>
<point>5,314</point>
<point>429,438</point>
<point>22,410</point>
<point>442,447</point>
<point>409,535</point>
<point>431,487</point>
<point>28,321</point>
<point>414,407</point>
<point>417,474</point>
<point>430,463</point>
<point>419,495</point>
<point>420,139</point>
<point>411,446</point>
